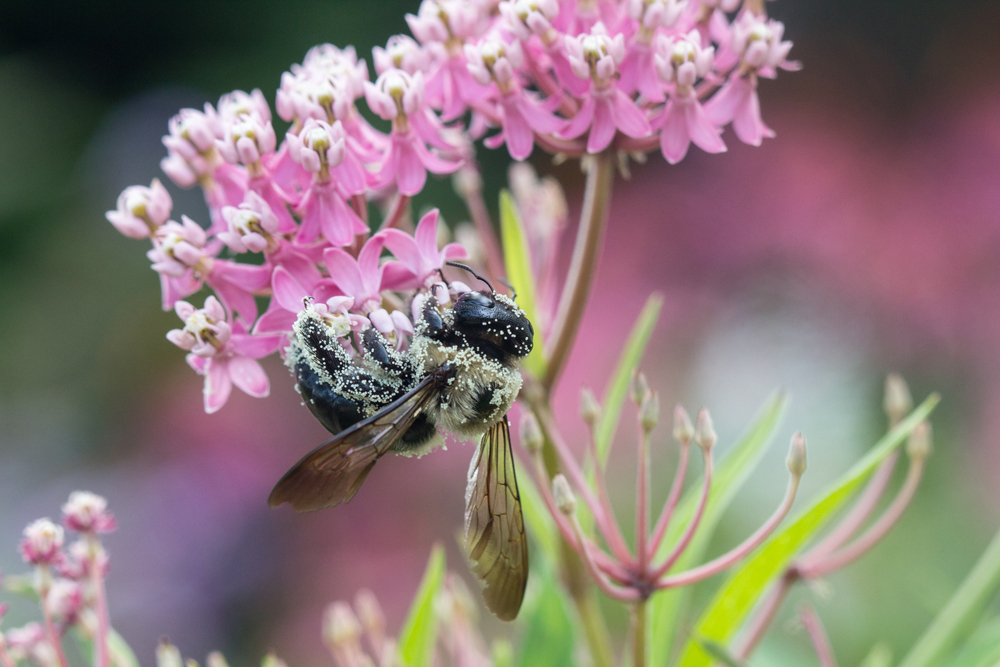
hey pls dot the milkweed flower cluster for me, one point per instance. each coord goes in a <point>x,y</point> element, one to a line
<point>68,581</point>
<point>288,216</point>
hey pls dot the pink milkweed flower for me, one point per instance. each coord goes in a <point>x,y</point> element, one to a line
<point>761,52</point>
<point>42,543</point>
<point>64,599</point>
<point>449,23</point>
<point>222,352</point>
<point>418,255</point>
<point>360,278</point>
<point>402,52</point>
<point>290,290</point>
<point>342,66</point>
<point>399,97</point>
<point>29,642</point>
<point>141,210</point>
<point>247,130</point>
<point>394,326</point>
<point>527,18</point>
<point>251,227</point>
<point>596,56</point>
<point>178,248</point>
<point>495,62</point>
<point>637,69</point>
<point>321,149</point>
<point>191,145</point>
<point>87,512</point>
<point>682,61</point>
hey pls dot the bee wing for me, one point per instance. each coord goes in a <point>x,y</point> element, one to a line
<point>494,529</point>
<point>332,473</point>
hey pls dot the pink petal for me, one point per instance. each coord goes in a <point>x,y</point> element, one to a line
<point>403,247</point>
<point>368,260</point>
<point>396,276</point>
<point>275,320</point>
<point>703,133</point>
<point>249,376</point>
<point>454,251</point>
<point>410,172</point>
<point>288,293</point>
<point>520,139</point>
<point>579,123</point>
<point>674,137</point>
<point>602,131</point>
<point>426,235</point>
<point>256,347</point>
<point>217,384</point>
<point>629,118</point>
<point>350,175</point>
<point>539,119</point>
<point>747,124</point>
<point>726,103</point>
<point>344,271</point>
<point>433,162</point>
<point>341,222</point>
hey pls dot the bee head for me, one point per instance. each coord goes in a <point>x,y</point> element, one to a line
<point>494,319</point>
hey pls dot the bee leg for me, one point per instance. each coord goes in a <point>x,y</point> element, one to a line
<point>321,349</point>
<point>432,316</point>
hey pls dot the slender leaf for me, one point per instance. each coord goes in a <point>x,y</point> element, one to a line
<point>517,261</point>
<point>982,649</point>
<point>667,607</point>
<point>719,652</point>
<point>879,656</point>
<point>614,397</point>
<point>416,641</point>
<point>22,585</point>
<point>737,596</point>
<point>550,637</point>
<point>119,651</point>
<point>961,613</point>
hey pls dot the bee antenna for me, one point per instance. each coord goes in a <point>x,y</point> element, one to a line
<point>513,292</point>
<point>469,269</point>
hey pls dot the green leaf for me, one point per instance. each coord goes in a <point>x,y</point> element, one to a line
<point>737,596</point>
<point>121,653</point>
<point>517,261</point>
<point>961,613</point>
<point>982,649</point>
<point>718,651</point>
<point>503,653</point>
<point>879,656</point>
<point>667,607</point>
<point>536,516</point>
<point>550,637</point>
<point>614,397</point>
<point>22,585</point>
<point>416,641</point>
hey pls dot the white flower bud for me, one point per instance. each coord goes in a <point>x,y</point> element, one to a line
<point>796,460</point>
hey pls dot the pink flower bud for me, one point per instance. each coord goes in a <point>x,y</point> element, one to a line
<point>64,599</point>
<point>87,512</point>
<point>251,226</point>
<point>141,210</point>
<point>402,52</point>
<point>42,542</point>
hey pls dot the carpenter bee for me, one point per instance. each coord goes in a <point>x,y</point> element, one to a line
<point>459,374</point>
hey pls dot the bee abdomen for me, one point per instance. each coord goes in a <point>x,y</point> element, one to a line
<point>334,411</point>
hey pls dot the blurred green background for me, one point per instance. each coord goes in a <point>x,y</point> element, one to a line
<point>865,238</point>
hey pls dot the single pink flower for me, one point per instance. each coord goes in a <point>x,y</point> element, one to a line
<point>681,62</point>
<point>737,101</point>
<point>637,71</point>
<point>247,133</point>
<point>141,210</point>
<point>495,63</point>
<point>87,512</point>
<point>251,227</point>
<point>42,543</point>
<point>321,149</point>
<point>223,352</point>
<point>418,255</point>
<point>606,109</point>
<point>289,292</point>
<point>402,52</point>
<point>398,97</point>
<point>395,327</point>
<point>360,278</point>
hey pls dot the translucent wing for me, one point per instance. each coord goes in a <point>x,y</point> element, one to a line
<point>333,473</point>
<point>494,530</point>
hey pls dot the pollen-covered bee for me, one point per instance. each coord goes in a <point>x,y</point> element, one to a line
<point>459,374</point>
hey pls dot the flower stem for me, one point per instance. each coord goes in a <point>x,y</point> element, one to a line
<point>397,212</point>
<point>818,636</point>
<point>639,636</point>
<point>101,654</point>
<point>642,504</point>
<point>473,196</point>
<point>53,633</point>
<point>668,510</point>
<point>764,614</point>
<point>583,265</point>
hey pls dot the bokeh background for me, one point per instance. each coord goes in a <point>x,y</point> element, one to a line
<point>865,238</point>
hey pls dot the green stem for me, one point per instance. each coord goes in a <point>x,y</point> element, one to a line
<point>583,265</point>
<point>639,638</point>
<point>962,612</point>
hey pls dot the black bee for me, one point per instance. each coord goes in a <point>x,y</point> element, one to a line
<point>459,374</point>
